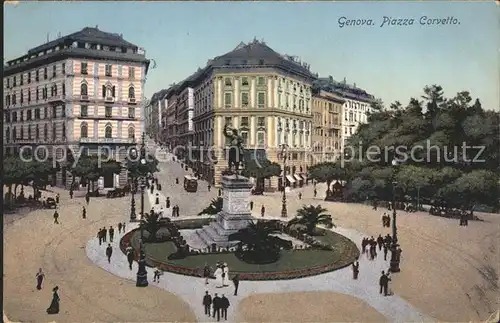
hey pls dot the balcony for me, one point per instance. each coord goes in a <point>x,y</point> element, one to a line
<point>109,99</point>
<point>56,98</point>
<point>131,100</point>
<point>84,98</point>
<point>107,140</point>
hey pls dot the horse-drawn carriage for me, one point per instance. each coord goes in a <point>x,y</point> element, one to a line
<point>117,192</point>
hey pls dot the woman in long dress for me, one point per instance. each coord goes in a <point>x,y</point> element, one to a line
<point>218,277</point>
<point>225,279</point>
<point>54,305</point>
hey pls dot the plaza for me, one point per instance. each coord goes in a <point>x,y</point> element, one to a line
<point>444,276</point>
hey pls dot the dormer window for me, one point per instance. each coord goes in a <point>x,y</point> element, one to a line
<point>108,71</point>
<point>227,81</point>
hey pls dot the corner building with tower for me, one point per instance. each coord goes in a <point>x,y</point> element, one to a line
<point>82,90</point>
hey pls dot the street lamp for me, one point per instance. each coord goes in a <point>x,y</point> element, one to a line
<point>143,185</point>
<point>395,256</point>
<point>142,274</point>
<point>284,154</point>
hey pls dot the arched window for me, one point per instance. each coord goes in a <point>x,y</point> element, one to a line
<point>131,132</point>
<point>84,130</point>
<point>83,89</point>
<point>108,132</point>
<point>7,134</point>
<point>131,92</point>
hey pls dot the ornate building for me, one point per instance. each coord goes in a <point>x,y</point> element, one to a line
<point>80,91</point>
<point>264,94</point>
<point>327,116</point>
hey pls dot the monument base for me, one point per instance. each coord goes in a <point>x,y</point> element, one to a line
<point>235,214</point>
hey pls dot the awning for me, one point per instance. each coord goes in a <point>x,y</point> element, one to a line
<point>290,178</point>
<point>297,176</point>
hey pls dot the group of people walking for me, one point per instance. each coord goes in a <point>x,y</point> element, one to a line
<point>216,306</point>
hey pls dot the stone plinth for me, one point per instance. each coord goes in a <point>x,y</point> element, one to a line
<point>235,214</point>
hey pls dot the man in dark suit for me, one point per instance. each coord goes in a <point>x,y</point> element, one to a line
<point>224,305</point>
<point>216,306</point>
<point>207,301</point>
<point>384,283</point>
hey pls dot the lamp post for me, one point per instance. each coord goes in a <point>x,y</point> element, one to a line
<point>395,256</point>
<point>133,216</point>
<point>142,274</point>
<point>143,185</point>
<point>283,205</point>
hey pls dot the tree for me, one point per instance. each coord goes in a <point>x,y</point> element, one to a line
<point>326,172</point>
<point>261,245</point>
<point>311,216</point>
<point>261,170</point>
<point>151,223</point>
<point>214,208</point>
<point>137,169</point>
<point>91,168</point>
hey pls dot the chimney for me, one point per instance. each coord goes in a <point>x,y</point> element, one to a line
<point>354,85</point>
<point>345,81</point>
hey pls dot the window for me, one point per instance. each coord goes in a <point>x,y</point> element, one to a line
<point>84,89</point>
<point>37,94</point>
<point>21,97</point>
<point>28,115</point>
<point>84,130</point>
<point>131,112</point>
<point>108,111</point>
<point>228,121</point>
<point>83,68</point>
<point>29,131</point>
<point>108,132</point>
<point>37,132</point>
<point>37,75</point>
<point>261,81</point>
<point>53,71</point>
<point>261,62</point>
<point>45,113</point>
<point>228,99</point>
<point>45,73</point>
<point>108,91</point>
<point>64,131</point>
<point>7,134</point>
<point>29,95</point>
<point>14,99</point>
<point>108,70</point>
<point>131,93</point>
<point>63,89</point>
<point>45,131</point>
<point>63,68</point>
<point>244,99</point>
<point>131,132</point>
<point>84,111</point>
<point>14,133</point>
<point>227,81</point>
<point>261,99</point>
<point>37,114</point>
<point>261,121</point>
<point>244,121</point>
<point>15,81</point>
<point>14,116</point>
<point>54,111</point>
<point>260,138</point>
<point>244,136</point>
<point>244,81</point>
<point>21,79</point>
<point>131,73</point>
<point>63,110</point>
<point>22,132</point>
<point>8,82</point>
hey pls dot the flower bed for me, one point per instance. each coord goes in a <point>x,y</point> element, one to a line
<point>346,259</point>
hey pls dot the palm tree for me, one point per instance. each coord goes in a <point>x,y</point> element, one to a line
<point>214,208</point>
<point>151,223</point>
<point>310,216</point>
<point>261,245</point>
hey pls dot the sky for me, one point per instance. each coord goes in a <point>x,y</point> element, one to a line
<point>390,62</point>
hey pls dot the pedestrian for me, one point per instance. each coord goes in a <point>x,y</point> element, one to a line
<point>209,186</point>
<point>119,227</point>
<point>177,180</point>
<point>355,269</point>
<point>206,273</point>
<point>300,195</point>
<point>384,283</point>
<point>99,235</point>
<point>123,227</point>
<point>130,257</point>
<point>167,202</point>
<point>384,220</point>
<point>315,191</point>
<point>177,214</point>
<point>224,305</point>
<point>385,251</point>
<point>388,240</point>
<point>207,301</point>
<point>236,282</point>
<point>57,198</point>
<point>216,306</point>
<point>109,252</point>
<point>157,199</point>
<point>87,198</point>
<point>111,233</point>
<point>39,278</point>
<point>56,217</point>
<point>262,211</point>
<point>388,221</point>
<point>363,245</point>
<point>54,305</point>
<point>157,274</point>
<point>71,193</point>
<point>251,205</point>
<point>104,234</point>
<point>380,241</point>
<point>84,213</point>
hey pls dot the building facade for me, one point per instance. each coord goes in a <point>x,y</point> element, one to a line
<point>265,95</point>
<point>80,92</point>
<point>327,126</point>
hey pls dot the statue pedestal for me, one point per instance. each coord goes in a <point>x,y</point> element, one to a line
<point>235,214</point>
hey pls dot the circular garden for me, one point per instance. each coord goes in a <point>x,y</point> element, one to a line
<point>327,251</point>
